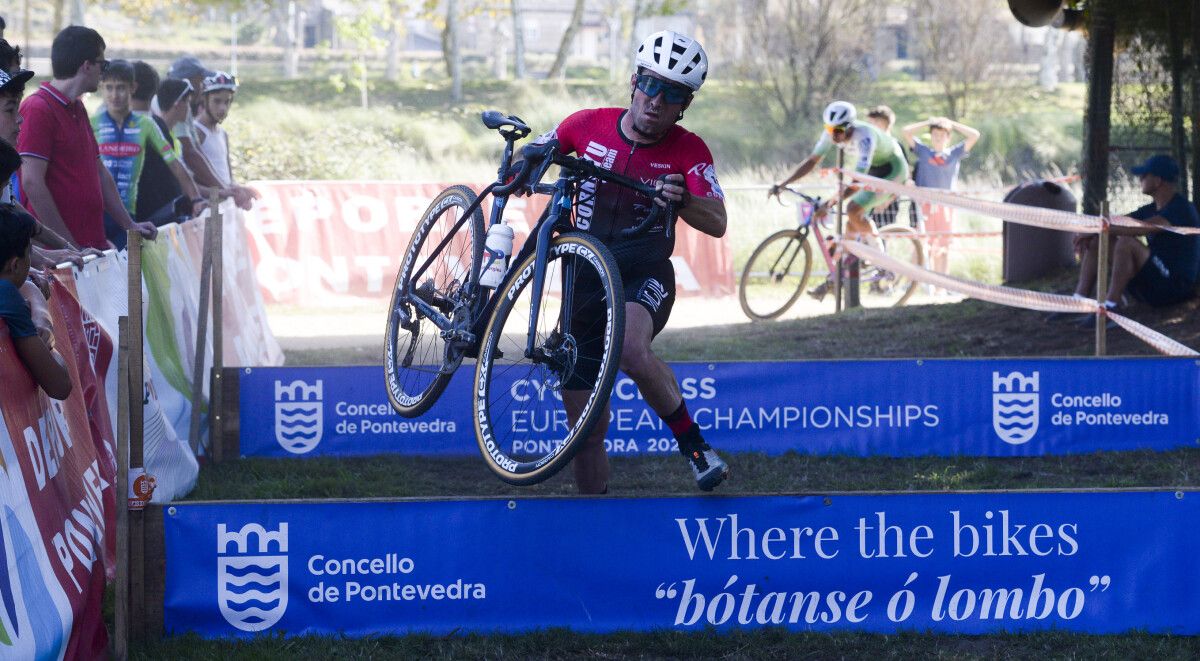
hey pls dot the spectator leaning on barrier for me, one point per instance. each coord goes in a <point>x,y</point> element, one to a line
<point>190,69</point>
<point>1164,270</point>
<point>63,180</point>
<point>937,167</point>
<point>124,138</point>
<point>166,191</point>
<point>216,99</point>
<point>23,306</point>
<point>54,248</point>
<point>883,117</point>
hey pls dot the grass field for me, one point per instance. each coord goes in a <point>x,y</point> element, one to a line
<point>307,129</point>
<point>967,329</point>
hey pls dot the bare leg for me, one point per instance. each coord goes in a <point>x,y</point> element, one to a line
<point>653,377</point>
<point>1129,256</point>
<point>1087,267</point>
<point>591,461</point>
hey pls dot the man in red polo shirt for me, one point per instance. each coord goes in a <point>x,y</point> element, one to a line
<point>63,181</point>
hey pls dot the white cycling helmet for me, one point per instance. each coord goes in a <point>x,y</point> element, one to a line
<point>675,57</point>
<point>219,81</point>
<point>839,113</point>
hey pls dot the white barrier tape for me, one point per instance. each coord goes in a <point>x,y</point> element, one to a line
<point>1010,296</point>
<point>1021,298</point>
<point>1048,218</point>
<point>1160,342</point>
<point>1017,213</point>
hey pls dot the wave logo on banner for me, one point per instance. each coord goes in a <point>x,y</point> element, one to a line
<point>252,584</point>
<point>1015,405</point>
<point>299,415</point>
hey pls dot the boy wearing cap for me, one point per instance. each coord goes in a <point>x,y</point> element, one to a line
<point>1162,271</point>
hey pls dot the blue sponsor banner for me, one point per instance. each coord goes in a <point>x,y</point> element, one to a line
<point>956,563</point>
<point>893,407</point>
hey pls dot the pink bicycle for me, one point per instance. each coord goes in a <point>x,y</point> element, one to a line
<point>781,266</point>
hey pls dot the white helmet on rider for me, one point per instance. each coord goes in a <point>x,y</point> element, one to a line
<point>675,57</point>
<point>839,114</point>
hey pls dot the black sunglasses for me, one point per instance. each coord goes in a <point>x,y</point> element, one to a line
<point>102,62</point>
<point>672,93</point>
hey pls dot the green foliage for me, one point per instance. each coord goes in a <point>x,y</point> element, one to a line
<point>312,129</point>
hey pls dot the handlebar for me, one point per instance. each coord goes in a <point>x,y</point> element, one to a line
<point>815,201</point>
<point>544,155</point>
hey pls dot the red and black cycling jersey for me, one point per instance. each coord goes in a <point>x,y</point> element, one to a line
<point>604,208</point>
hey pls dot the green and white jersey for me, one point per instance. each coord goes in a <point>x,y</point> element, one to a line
<point>874,147</point>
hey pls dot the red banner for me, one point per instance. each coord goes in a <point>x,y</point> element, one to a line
<point>324,241</point>
<point>64,455</point>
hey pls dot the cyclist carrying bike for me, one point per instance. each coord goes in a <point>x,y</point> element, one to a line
<point>879,155</point>
<point>644,141</point>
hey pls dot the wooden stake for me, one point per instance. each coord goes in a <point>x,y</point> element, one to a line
<point>201,331</point>
<point>137,401</point>
<point>121,607</point>
<point>837,276</point>
<point>216,429</point>
<point>1102,284</point>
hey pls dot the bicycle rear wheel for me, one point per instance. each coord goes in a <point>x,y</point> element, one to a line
<point>880,287</point>
<point>418,359</point>
<point>775,275</point>
<point>521,424</point>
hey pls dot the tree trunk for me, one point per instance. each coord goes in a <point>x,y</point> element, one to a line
<point>60,9</point>
<point>1097,115</point>
<point>518,14</point>
<point>568,39</point>
<point>451,50</point>
<point>291,47</point>
<point>1196,102</point>
<point>1048,71</point>
<point>392,72</point>
<point>1175,19</point>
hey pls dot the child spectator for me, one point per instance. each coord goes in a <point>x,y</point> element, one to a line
<point>161,195</point>
<point>190,69</point>
<point>124,137</point>
<point>22,306</point>
<point>937,167</point>
<point>145,86</point>
<point>216,101</point>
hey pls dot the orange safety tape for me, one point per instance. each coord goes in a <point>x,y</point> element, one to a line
<point>1021,298</point>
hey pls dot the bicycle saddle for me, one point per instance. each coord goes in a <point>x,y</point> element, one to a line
<point>494,119</point>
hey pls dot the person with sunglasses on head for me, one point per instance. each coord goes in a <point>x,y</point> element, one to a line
<point>63,181</point>
<point>190,69</point>
<point>645,141</point>
<point>168,193</point>
<point>216,100</point>
<point>878,154</point>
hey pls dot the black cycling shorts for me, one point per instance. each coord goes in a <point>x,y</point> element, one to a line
<point>651,286</point>
<point>1154,284</point>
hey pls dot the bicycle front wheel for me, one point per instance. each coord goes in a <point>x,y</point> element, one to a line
<point>521,424</point>
<point>775,275</point>
<point>880,287</point>
<point>419,354</point>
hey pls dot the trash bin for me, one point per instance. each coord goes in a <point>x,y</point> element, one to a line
<point>1033,252</point>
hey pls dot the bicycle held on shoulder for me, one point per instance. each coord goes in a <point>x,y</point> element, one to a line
<point>781,266</point>
<point>528,333</point>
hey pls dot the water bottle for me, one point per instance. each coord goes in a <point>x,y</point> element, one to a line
<point>496,251</point>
